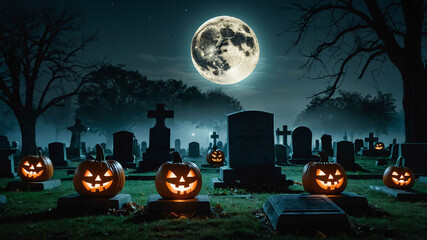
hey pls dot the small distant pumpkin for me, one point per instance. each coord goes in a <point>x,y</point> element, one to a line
<point>35,168</point>
<point>379,146</point>
<point>177,179</point>
<point>324,177</point>
<point>98,177</point>
<point>398,176</point>
<point>215,157</point>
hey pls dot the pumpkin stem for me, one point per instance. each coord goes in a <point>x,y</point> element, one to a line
<point>99,153</point>
<point>176,158</point>
<point>400,161</point>
<point>323,156</point>
<point>39,152</point>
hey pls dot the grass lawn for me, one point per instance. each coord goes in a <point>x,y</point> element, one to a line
<point>19,218</point>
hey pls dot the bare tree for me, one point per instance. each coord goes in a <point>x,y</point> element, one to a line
<point>40,61</point>
<point>357,37</point>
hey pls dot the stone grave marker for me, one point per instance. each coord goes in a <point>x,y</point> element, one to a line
<point>371,151</point>
<point>358,145</point>
<point>414,154</point>
<point>301,146</point>
<point>194,149</point>
<point>285,133</point>
<point>143,146</point>
<point>178,147</point>
<point>136,150</point>
<point>251,155</point>
<point>75,150</point>
<point>327,144</point>
<point>214,136</point>
<point>220,145</point>
<point>345,154</point>
<point>123,149</point>
<point>401,194</point>
<point>159,148</point>
<point>57,154</point>
<point>7,169</point>
<point>316,146</point>
<point>394,152</point>
<point>281,154</point>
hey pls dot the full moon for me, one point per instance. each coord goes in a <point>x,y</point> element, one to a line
<point>225,50</point>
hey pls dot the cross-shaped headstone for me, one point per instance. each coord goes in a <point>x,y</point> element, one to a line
<point>160,114</point>
<point>371,139</point>
<point>76,131</point>
<point>285,133</point>
<point>214,136</point>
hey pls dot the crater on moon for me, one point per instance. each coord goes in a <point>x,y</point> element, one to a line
<point>225,50</point>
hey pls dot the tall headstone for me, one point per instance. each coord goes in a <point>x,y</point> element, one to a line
<point>251,155</point>
<point>345,153</point>
<point>7,169</point>
<point>371,140</point>
<point>281,154</point>
<point>358,145</point>
<point>327,144</point>
<point>316,146</point>
<point>136,150</point>
<point>57,154</point>
<point>177,145</point>
<point>301,146</point>
<point>214,136</point>
<point>143,147</point>
<point>194,149</point>
<point>394,152</point>
<point>414,154</point>
<point>123,149</point>
<point>159,145</point>
<point>75,149</point>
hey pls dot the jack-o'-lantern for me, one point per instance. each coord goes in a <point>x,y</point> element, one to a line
<point>379,146</point>
<point>178,179</point>
<point>99,177</point>
<point>324,177</point>
<point>398,176</point>
<point>215,157</point>
<point>35,168</point>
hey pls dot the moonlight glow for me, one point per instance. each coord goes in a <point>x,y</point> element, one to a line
<point>225,50</point>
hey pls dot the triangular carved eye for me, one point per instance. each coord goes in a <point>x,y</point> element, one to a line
<point>337,173</point>
<point>88,174</point>
<point>191,174</point>
<point>108,173</point>
<point>26,163</point>
<point>407,174</point>
<point>320,173</point>
<point>171,174</point>
<point>394,173</point>
<point>39,164</point>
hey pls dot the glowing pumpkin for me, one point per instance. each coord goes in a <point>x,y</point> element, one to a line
<point>178,179</point>
<point>324,177</point>
<point>398,176</point>
<point>35,168</point>
<point>379,146</point>
<point>98,177</point>
<point>215,157</point>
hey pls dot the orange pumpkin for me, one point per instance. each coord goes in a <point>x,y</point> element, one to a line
<point>324,177</point>
<point>398,176</point>
<point>98,177</point>
<point>178,179</point>
<point>35,168</point>
<point>379,146</point>
<point>215,157</point>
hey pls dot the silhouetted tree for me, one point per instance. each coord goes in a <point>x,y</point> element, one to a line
<point>350,112</point>
<point>357,36</point>
<point>40,65</point>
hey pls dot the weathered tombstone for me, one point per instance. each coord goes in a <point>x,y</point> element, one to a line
<point>250,150</point>
<point>371,151</point>
<point>371,140</point>
<point>7,169</point>
<point>75,149</point>
<point>214,136</point>
<point>414,154</point>
<point>159,148</point>
<point>15,145</point>
<point>83,146</point>
<point>316,146</point>
<point>285,133</point>
<point>136,149</point>
<point>301,146</point>
<point>327,144</point>
<point>358,145</point>
<point>123,149</point>
<point>194,149</point>
<point>281,154</point>
<point>345,154</point>
<point>220,145</point>
<point>57,154</point>
<point>177,145</point>
<point>143,146</point>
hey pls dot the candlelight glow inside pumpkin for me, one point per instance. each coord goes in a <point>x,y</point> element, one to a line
<point>379,146</point>
<point>404,179</point>
<point>215,157</point>
<point>32,172</point>
<point>332,182</point>
<point>398,176</point>
<point>98,184</point>
<point>35,167</point>
<point>182,187</point>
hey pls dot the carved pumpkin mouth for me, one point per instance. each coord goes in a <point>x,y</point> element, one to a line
<point>216,159</point>
<point>32,174</point>
<point>97,187</point>
<point>181,188</point>
<point>401,181</point>
<point>330,185</point>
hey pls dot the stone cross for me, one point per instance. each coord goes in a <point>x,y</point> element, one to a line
<point>285,133</point>
<point>214,136</point>
<point>371,140</point>
<point>160,114</point>
<point>76,130</point>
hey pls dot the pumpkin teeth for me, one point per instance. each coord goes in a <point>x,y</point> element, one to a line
<point>329,185</point>
<point>32,174</point>
<point>181,189</point>
<point>97,187</point>
<point>401,181</point>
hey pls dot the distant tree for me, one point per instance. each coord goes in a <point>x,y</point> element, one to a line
<point>353,37</point>
<point>40,61</point>
<point>350,112</point>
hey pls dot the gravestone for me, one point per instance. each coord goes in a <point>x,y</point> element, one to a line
<point>57,154</point>
<point>214,136</point>
<point>78,204</point>
<point>371,151</point>
<point>33,186</point>
<point>285,133</point>
<point>75,149</point>
<point>135,148</point>
<point>15,145</point>
<point>394,152</point>
<point>316,146</point>
<point>281,154</point>
<point>194,149</point>
<point>7,169</point>
<point>327,144</point>
<point>220,145</point>
<point>401,194</point>
<point>123,149</point>
<point>159,148</point>
<point>178,147</point>
<point>358,145</point>
<point>414,154</point>
<point>345,154</point>
<point>143,147</point>
<point>251,156</point>
<point>301,146</point>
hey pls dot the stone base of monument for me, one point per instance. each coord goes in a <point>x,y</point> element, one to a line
<point>305,214</point>
<point>304,160</point>
<point>375,153</point>
<point>401,195</point>
<point>78,204</point>
<point>350,202</point>
<point>3,199</point>
<point>33,186</point>
<point>197,205</point>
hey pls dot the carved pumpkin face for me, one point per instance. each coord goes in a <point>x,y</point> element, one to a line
<point>35,168</point>
<point>398,176</point>
<point>178,180</point>
<point>379,146</point>
<point>324,177</point>
<point>99,178</point>
<point>215,157</point>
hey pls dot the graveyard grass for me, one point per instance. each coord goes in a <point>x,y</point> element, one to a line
<point>19,219</point>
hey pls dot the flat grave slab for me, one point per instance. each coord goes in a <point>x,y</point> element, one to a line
<point>76,203</point>
<point>33,186</point>
<point>349,201</point>
<point>305,213</point>
<point>3,199</point>
<point>198,205</point>
<point>401,195</point>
